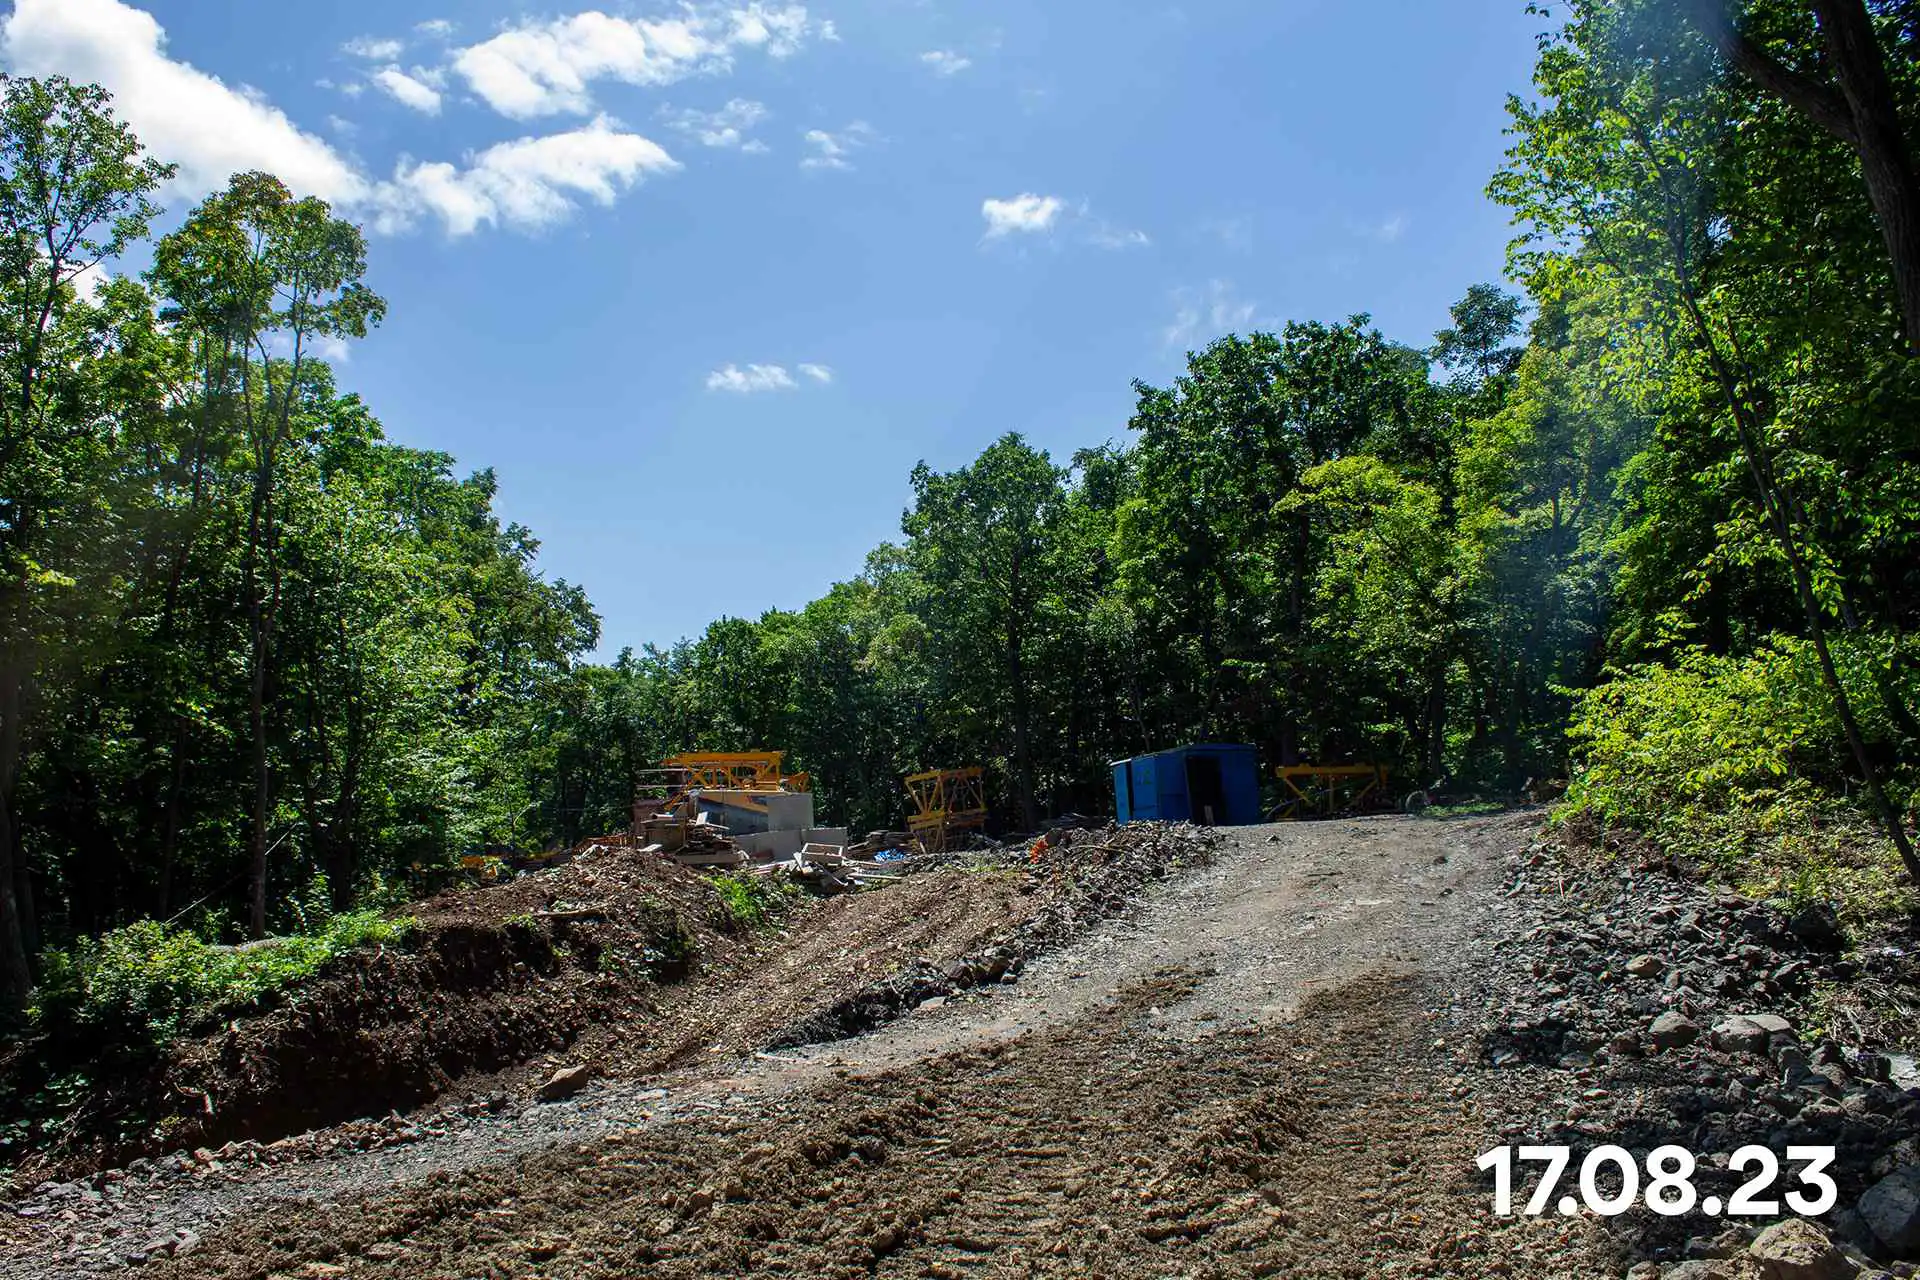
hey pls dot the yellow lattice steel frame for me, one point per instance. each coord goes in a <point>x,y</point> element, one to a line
<point>944,801</point>
<point>1328,788</point>
<point>735,771</point>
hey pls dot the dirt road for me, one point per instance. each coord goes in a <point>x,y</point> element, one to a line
<point>1259,1073</point>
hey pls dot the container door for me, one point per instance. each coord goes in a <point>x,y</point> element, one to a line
<point>1206,795</point>
<point>1146,794</point>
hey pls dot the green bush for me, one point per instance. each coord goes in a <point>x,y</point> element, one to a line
<point>1740,763</point>
<point>751,901</point>
<point>147,981</point>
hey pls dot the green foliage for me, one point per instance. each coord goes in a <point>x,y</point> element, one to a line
<point>751,901</point>
<point>143,983</point>
<point>1737,762</point>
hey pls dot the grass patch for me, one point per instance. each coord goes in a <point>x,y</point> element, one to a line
<point>1865,1011</point>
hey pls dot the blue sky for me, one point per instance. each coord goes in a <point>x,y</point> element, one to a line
<point>702,283</point>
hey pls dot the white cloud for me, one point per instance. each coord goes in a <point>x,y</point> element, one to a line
<point>91,280</point>
<point>409,90</point>
<point>1392,229</point>
<point>1206,313</point>
<point>755,377</point>
<point>1025,213</point>
<point>545,68</point>
<point>182,114</point>
<point>780,31</point>
<point>436,28</point>
<point>831,150</point>
<point>1028,214</point>
<point>726,127</point>
<point>342,126</point>
<point>818,372</point>
<point>526,184</point>
<point>212,130</point>
<point>945,62</point>
<point>374,50</point>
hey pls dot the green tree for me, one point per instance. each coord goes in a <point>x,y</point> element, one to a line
<point>979,539</point>
<point>252,272</point>
<point>74,191</point>
<point>1639,154</point>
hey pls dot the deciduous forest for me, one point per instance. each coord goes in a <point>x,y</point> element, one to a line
<point>1645,517</point>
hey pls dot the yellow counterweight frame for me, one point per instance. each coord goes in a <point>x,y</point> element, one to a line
<point>1322,790</point>
<point>944,801</point>
<point>736,771</point>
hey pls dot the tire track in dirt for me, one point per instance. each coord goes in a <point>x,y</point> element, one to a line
<point>1256,1075</point>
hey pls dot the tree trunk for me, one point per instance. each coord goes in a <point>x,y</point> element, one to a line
<point>1881,144</point>
<point>1022,708</point>
<point>1777,509</point>
<point>1436,746</point>
<point>1859,110</point>
<point>170,825</point>
<point>257,831</point>
<point>16,978</point>
<point>258,525</point>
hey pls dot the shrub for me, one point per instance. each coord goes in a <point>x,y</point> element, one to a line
<point>751,901</point>
<point>145,982</point>
<point>1739,762</point>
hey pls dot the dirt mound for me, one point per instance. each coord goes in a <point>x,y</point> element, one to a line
<point>487,978</point>
<point>1077,878</point>
<point>622,962</point>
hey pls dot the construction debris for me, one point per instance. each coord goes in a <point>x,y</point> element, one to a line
<point>830,869</point>
<point>684,835</point>
<point>899,843</point>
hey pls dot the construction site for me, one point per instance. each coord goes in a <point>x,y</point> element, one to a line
<point>740,812</point>
<point>732,1041</point>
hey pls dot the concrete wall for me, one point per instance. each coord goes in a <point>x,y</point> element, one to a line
<point>790,811</point>
<point>777,846</point>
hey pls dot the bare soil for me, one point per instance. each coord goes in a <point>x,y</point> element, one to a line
<point>1266,1070</point>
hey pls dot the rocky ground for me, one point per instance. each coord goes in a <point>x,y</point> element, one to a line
<point>1643,1010</point>
<point>1283,1060</point>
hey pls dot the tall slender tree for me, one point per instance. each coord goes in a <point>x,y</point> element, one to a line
<point>260,276</point>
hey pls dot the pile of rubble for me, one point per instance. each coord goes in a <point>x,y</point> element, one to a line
<point>683,834</point>
<point>1641,1009</point>
<point>830,869</point>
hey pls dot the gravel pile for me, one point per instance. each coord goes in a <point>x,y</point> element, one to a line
<point>1634,1008</point>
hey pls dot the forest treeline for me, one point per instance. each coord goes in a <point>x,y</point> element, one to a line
<point>1660,510</point>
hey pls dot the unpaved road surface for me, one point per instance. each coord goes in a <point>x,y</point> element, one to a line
<point>1260,1073</point>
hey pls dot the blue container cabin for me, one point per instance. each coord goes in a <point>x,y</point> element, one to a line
<point>1216,784</point>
